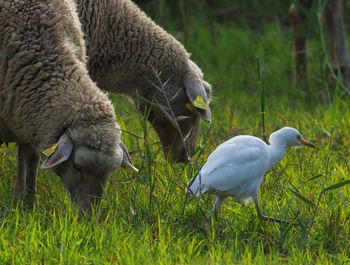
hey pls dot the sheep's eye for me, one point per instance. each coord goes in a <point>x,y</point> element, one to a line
<point>77,167</point>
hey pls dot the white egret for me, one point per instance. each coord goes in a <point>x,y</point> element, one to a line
<point>237,167</point>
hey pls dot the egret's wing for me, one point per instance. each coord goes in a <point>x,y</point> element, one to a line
<point>239,149</point>
<point>232,165</point>
<point>233,176</point>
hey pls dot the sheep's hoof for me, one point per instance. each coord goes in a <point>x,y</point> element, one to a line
<point>26,200</point>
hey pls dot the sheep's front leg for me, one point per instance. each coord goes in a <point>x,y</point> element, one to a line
<point>335,28</point>
<point>25,184</point>
<point>20,182</point>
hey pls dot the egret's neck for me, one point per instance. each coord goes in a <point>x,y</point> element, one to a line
<point>276,153</point>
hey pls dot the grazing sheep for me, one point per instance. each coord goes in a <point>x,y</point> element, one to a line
<point>123,45</point>
<point>47,97</point>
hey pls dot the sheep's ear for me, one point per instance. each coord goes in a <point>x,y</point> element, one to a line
<point>197,95</point>
<point>126,157</point>
<point>61,153</point>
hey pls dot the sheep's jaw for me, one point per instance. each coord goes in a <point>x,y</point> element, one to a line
<point>178,147</point>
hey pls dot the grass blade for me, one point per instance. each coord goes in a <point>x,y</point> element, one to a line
<point>322,129</point>
<point>335,102</point>
<point>260,63</point>
<point>301,197</point>
<point>335,186</point>
<point>316,177</point>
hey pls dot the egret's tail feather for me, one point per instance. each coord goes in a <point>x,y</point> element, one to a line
<point>247,201</point>
<point>196,187</point>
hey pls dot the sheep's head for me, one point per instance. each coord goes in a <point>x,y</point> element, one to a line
<point>84,170</point>
<point>188,96</point>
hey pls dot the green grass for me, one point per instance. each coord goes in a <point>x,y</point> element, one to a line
<point>147,218</point>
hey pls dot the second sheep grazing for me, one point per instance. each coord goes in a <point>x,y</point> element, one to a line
<point>47,97</point>
<point>123,45</point>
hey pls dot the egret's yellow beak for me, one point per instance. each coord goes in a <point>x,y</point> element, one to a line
<point>306,143</point>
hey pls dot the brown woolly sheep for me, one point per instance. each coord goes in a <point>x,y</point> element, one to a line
<point>47,97</point>
<point>123,45</point>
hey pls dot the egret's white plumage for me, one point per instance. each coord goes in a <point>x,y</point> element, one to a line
<point>237,167</point>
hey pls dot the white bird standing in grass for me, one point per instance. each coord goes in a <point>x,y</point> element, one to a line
<point>237,167</point>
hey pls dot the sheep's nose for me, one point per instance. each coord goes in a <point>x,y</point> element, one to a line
<point>84,206</point>
<point>179,155</point>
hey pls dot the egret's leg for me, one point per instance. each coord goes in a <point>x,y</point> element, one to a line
<point>217,205</point>
<point>264,217</point>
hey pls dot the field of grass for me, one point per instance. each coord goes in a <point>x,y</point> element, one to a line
<point>147,218</point>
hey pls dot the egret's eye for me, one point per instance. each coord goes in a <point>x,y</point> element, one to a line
<point>299,137</point>
<point>77,167</point>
